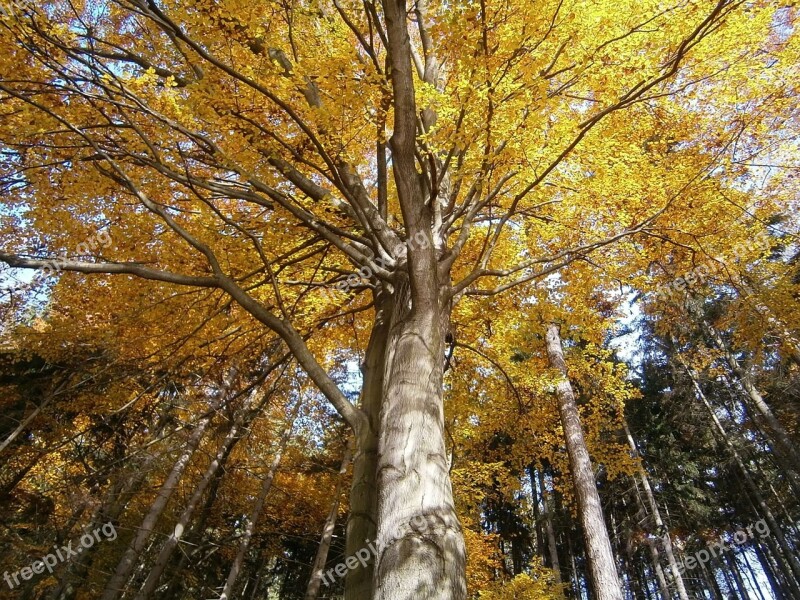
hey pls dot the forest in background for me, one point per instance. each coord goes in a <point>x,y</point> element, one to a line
<point>399,300</point>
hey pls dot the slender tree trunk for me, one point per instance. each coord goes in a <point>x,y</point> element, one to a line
<point>657,520</point>
<point>722,567</point>
<point>576,576</point>
<point>774,458</point>
<point>420,544</point>
<point>127,563</point>
<point>789,583</point>
<point>598,546</point>
<point>76,571</point>
<point>788,339</point>
<point>733,567</point>
<point>782,576</point>
<point>711,581</point>
<point>25,422</point>
<point>116,499</point>
<point>643,578</point>
<point>248,413</point>
<point>547,512</point>
<point>655,559</point>
<point>655,555</point>
<point>784,446</point>
<point>258,508</point>
<point>763,508</point>
<point>537,520</point>
<point>188,512</point>
<point>318,566</point>
<point>635,578</point>
<point>751,576</point>
<point>193,539</point>
<point>770,572</point>
<point>262,565</point>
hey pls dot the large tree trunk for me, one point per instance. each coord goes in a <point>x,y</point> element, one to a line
<point>317,568</point>
<point>420,544</point>
<point>600,557</point>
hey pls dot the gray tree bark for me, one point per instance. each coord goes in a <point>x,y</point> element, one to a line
<point>602,569</point>
<point>420,544</point>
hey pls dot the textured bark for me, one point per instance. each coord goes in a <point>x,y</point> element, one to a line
<point>420,545</point>
<point>602,568</point>
<point>318,566</point>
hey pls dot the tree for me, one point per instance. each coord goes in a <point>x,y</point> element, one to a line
<point>598,546</point>
<point>243,150</point>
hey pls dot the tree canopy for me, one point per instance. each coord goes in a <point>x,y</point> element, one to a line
<point>522,277</point>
